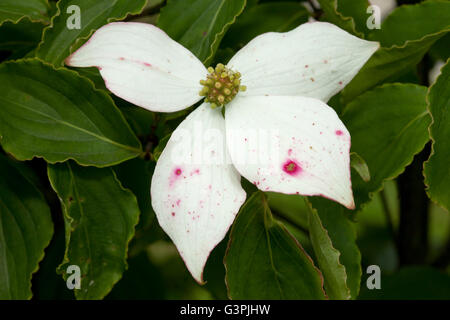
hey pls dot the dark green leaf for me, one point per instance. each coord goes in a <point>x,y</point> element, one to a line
<point>291,207</point>
<point>406,35</point>
<point>342,234</point>
<point>264,261</point>
<point>57,115</point>
<point>413,22</point>
<point>437,168</point>
<point>142,281</point>
<point>25,230</point>
<point>388,126</point>
<point>136,175</point>
<point>333,14</point>
<point>14,10</point>
<point>328,259</point>
<point>277,17</point>
<point>357,10</point>
<point>100,216</point>
<point>358,163</point>
<point>20,38</point>
<point>59,41</point>
<point>199,25</point>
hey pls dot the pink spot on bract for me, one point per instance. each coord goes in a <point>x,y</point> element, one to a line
<point>291,167</point>
<point>175,176</point>
<point>339,132</point>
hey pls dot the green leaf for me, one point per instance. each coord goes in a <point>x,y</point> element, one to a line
<point>142,281</point>
<point>14,10</point>
<point>136,175</point>
<point>100,216</point>
<point>358,163</point>
<point>413,22</point>
<point>59,41</point>
<point>20,38</point>
<point>342,235</point>
<point>327,256</point>
<point>290,207</point>
<point>264,261</point>
<point>357,10</point>
<point>333,15</point>
<point>278,17</point>
<point>25,230</point>
<point>437,169</point>
<point>199,25</point>
<point>57,115</point>
<point>388,126</point>
<point>406,35</point>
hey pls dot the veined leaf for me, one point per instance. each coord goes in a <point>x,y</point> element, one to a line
<point>437,168</point>
<point>26,229</point>
<point>327,256</point>
<point>199,25</point>
<point>100,216</point>
<point>388,126</point>
<point>58,115</point>
<point>403,44</point>
<point>59,41</point>
<point>264,261</point>
<point>341,236</point>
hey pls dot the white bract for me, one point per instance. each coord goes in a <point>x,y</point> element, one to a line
<point>289,78</point>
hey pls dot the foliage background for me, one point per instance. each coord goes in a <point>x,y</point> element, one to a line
<point>75,198</point>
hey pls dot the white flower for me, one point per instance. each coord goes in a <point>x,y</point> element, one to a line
<point>289,78</point>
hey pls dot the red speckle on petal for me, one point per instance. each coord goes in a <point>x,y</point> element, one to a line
<point>339,132</point>
<point>292,168</point>
<point>175,176</point>
<point>290,152</point>
<point>178,202</point>
<point>306,66</point>
<point>147,64</point>
<point>173,214</point>
<point>122,58</point>
<point>340,82</point>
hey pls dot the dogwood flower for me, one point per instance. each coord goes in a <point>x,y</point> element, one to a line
<point>277,85</point>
